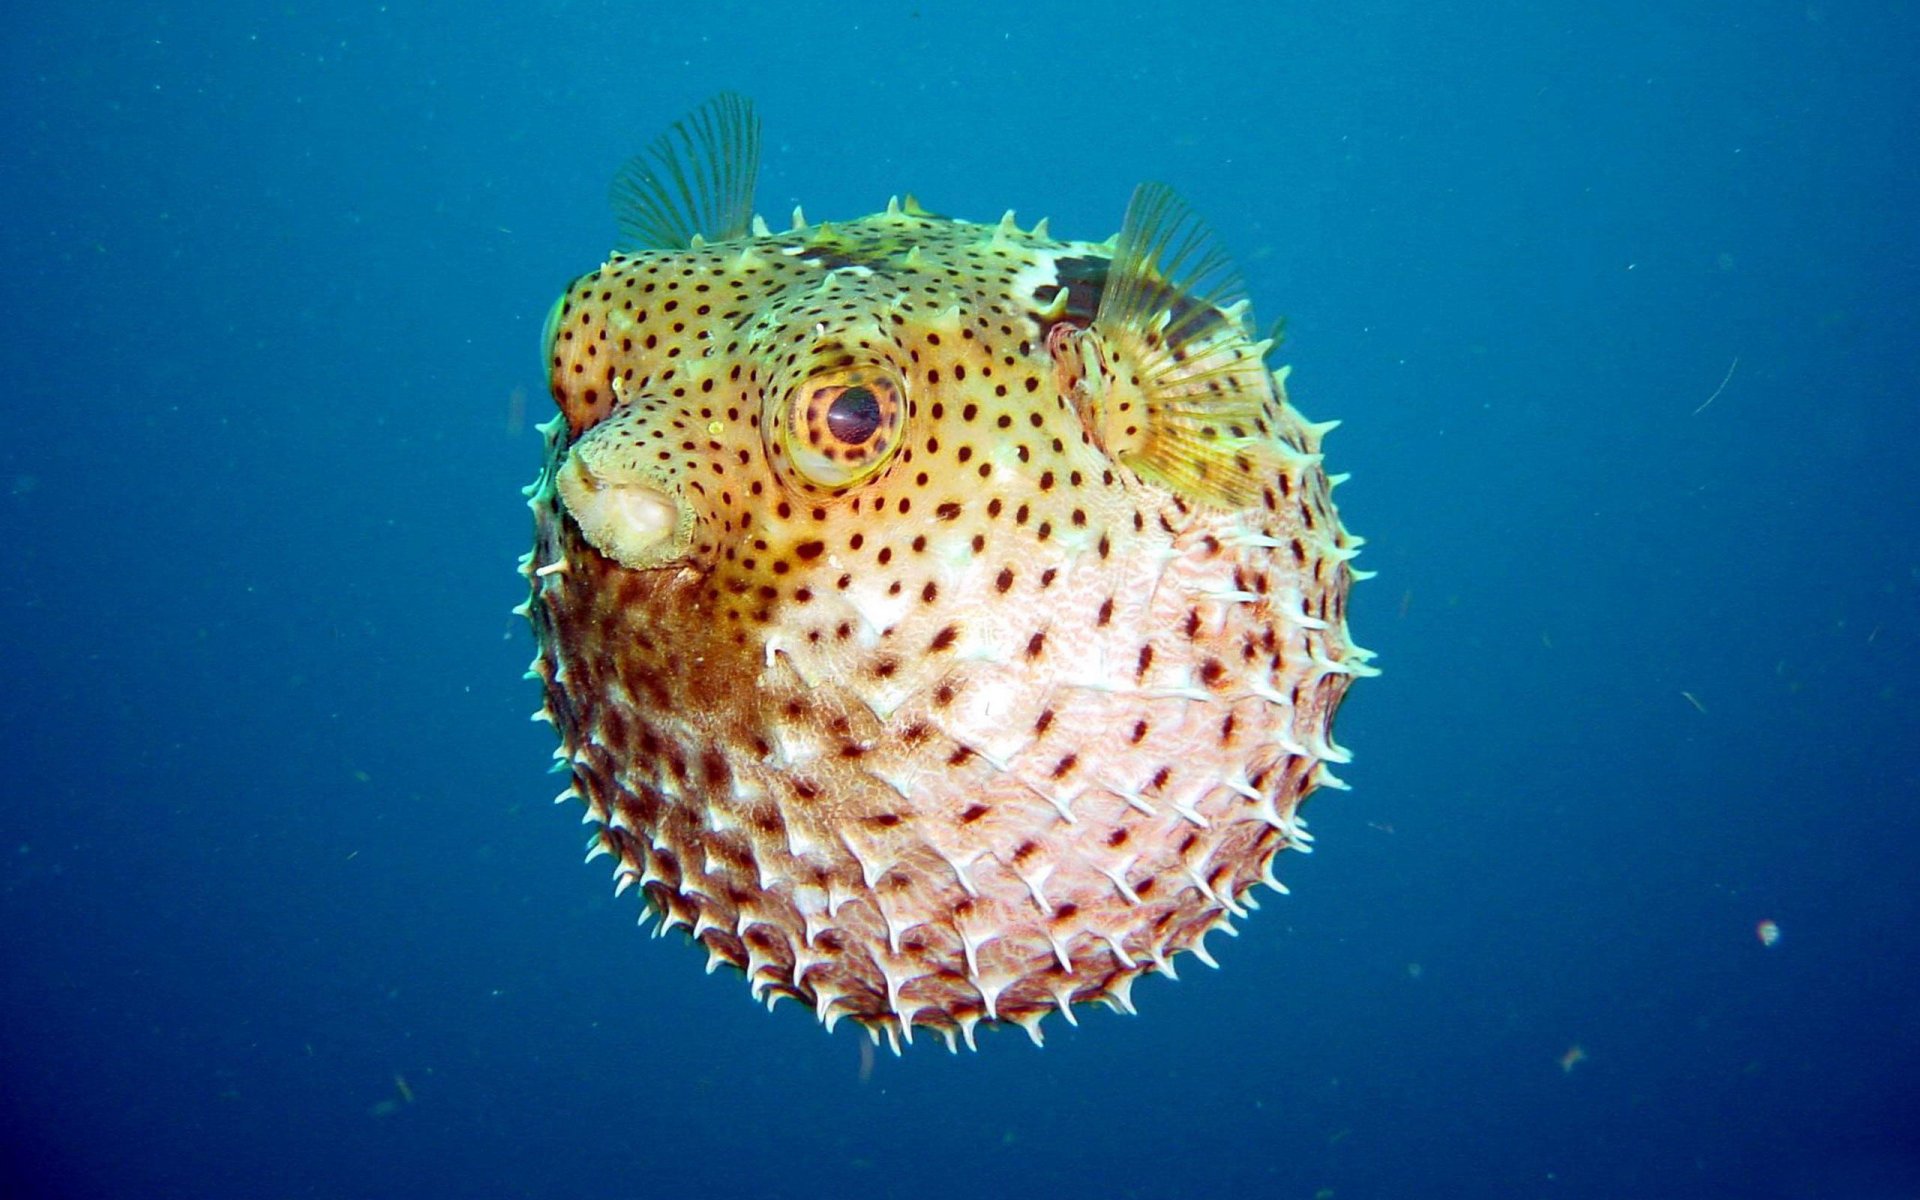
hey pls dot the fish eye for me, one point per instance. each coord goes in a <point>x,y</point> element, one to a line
<point>843,424</point>
<point>854,416</point>
<point>551,327</point>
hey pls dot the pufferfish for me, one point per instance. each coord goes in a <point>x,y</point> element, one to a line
<point>942,623</point>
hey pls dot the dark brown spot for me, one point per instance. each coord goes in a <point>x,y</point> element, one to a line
<point>713,769</point>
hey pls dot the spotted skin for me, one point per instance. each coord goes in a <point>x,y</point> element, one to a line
<point>981,735</point>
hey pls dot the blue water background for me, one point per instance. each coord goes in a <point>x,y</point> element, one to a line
<point>276,830</point>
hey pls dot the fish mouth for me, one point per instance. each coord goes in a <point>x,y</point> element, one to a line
<point>632,523</point>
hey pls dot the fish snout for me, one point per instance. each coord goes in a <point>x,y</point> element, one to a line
<point>622,514</point>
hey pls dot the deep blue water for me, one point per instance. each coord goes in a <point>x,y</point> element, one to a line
<point>275,825</point>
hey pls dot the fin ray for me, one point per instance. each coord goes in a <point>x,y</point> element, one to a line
<point>693,181</point>
<point>1174,311</point>
<point>1165,259</point>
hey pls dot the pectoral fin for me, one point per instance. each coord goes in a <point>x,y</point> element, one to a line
<point>1167,377</point>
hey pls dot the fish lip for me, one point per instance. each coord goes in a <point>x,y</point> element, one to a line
<point>632,523</point>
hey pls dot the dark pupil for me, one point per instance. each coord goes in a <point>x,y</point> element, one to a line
<point>853,416</point>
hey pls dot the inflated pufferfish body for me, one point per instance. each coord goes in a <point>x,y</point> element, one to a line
<point>942,622</point>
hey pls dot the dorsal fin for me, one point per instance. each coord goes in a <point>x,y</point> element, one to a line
<point>1173,312</point>
<point>696,179</point>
